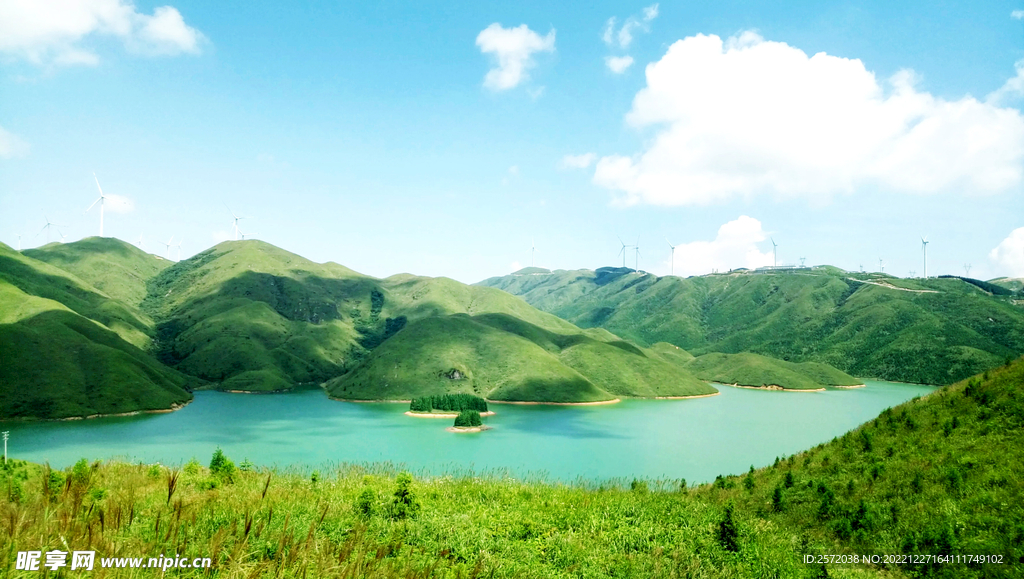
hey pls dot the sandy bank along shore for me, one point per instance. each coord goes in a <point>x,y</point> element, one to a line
<point>442,414</point>
<point>776,387</point>
<point>465,429</point>
<point>686,397</point>
<point>525,403</point>
<point>132,413</point>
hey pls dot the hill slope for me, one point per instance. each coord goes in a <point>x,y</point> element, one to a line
<point>118,269</point>
<point>747,369</point>
<point>501,357</point>
<point>932,331</point>
<point>55,363</point>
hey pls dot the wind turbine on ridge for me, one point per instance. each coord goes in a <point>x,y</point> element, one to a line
<point>237,219</point>
<point>244,234</point>
<point>139,242</point>
<point>622,251</point>
<point>167,245</point>
<point>881,268</point>
<point>673,258</point>
<point>924,252</point>
<point>775,247</point>
<point>533,251</point>
<point>62,236</point>
<point>101,200</point>
<point>47,227</point>
<point>636,248</point>
<point>179,249</point>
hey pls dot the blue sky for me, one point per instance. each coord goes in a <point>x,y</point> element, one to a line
<point>444,139</point>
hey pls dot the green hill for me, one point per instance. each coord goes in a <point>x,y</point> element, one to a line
<point>1011,283</point>
<point>747,369</point>
<point>116,268</point>
<point>501,357</point>
<point>59,364</point>
<point>934,331</point>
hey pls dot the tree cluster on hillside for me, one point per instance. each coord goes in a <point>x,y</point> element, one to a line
<point>448,403</point>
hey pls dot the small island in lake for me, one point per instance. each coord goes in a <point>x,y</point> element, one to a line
<point>447,406</point>
<point>468,421</point>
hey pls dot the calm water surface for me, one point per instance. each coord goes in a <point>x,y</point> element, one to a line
<point>695,439</point>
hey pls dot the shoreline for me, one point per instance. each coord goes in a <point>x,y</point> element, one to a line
<point>776,388</point>
<point>467,429</point>
<point>683,397</point>
<point>854,386</point>
<point>530,403</point>
<point>442,415</point>
<point>114,415</point>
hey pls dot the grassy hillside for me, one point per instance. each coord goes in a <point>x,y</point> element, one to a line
<point>933,331</point>
<point>935,476</point>
<point>746,369</point>
<point>58,364</point>
<point>118,269</point>
<point>37,278</point>
<point>501,357</point>
<point>1011,283</point>
<point>250,316</point>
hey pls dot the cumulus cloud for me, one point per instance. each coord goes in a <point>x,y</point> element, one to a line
<point>578,161</point>
<point>11,145</point>
<point>618,64</point>
<point>735,246</point>
<point>51,31</point>
<point>747,117</point>
<point>1009,254</point>
<point>513,50</point>
<point>1011,89</point>
<point>1017,14</point>
<point>624,36</point>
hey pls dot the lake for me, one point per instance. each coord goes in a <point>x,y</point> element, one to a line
<point>695,439</point>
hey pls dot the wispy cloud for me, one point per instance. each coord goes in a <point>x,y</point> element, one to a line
<point>1017,14</point>
<point>624,36</point>
<point>11,145</point>
<point>513,50</point>
<point>748,117</point>
<point>578,161</point>
<point>53,33</point>
<point>618,64</point>
<point>1011,89</point>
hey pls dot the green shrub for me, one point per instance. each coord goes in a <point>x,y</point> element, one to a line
<point>468,419</point>
<point>405,504</point>
<point>222,467</point>
<point>366,503</point>
<point>639,486</point>
<point>728,536</point>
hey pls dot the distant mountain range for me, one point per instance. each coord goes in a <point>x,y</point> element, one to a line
<point>101,327</point>
<point>933,331</point>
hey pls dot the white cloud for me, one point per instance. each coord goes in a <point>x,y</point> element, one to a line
<point>513,48</point>
<point>515,266</point>
<point>624,37</point>
<point>578,161</point>
<point>49,31</point>
<point>1017,14</point>
<point>118,204</point>
<point>514,170</point>
<point>618,64</point>
<point>1012,88</point>
<point>749,117</point>
<point>11,145</point>
<point>1009,254</point>
<point>735,246</point>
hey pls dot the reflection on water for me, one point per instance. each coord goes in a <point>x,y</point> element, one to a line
<point>694,439</point>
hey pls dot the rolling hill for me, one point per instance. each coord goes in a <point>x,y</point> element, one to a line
<point>502,357</point>
<point>56,362</point>
<point>934,331</point>
<point>747,369</point>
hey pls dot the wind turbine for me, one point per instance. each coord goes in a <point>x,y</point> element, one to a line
<point>47,227</point>
<point>775,247</point>
<point>139,242</point>
<point>881,268</point>
<point>967,270</point>
<point>636,267</point>
<point>237,219</point>
<point>244,234</point>
<point>62,236</point>
<point>622,251</point>
<point>533,251</point>
<point>673,258</point>
<point>167,254</point>
<point>924,252</point>
<point>179,249</point>
<point>101,200</point>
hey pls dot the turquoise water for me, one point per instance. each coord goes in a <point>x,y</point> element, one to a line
<point>694,439</point>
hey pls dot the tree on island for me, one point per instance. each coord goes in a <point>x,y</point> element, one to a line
<point>448,403</point>
<point>468,419</point>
